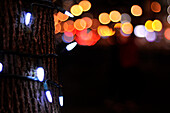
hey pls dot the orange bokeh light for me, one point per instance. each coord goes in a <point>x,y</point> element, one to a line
<point>136,10</point>
<point>57,28</point>
<point>69,26</point>
<point>148,25</point>
<point>118,25</point>
<point>104,18</point>
<point>115,16</point>
<point>85,4</point>
<point>62,17</point>
<point>167,33</point>
<point>80,24</point>
<point>156,7</point>
<point>157,25</point>
<point>88,22</point>
<point>76,10</point>
<point>127,28</point>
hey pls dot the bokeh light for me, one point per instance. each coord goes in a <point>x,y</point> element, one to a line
<point>168,19</point>
<point>68,37</point>
<point>104,18</point>
<point>125,18</point>
<point>140,31</point>
<point>167,33</point>
<point>117,25</point>
<point>88,22</point>
<point>168,10</point>
<point>80,24</point>
<point>55,19</point>
<point>76,10</point>
<point>57,28</point>
<point>69,26</point>
<point>115,16</point>
<point>127,28</point>
<point>156,7</point>
<point>157,25</point>
<point>148,25</point>
<point>105,31</point>
<point>95,24</point>
<point>85,4</point>
<point>151,36</point>
<point>136,10</point>
<point>62,17</point>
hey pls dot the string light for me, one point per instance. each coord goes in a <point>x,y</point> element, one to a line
<point>61,99</point>
<point>27,18</point>
<point>71,46</point>
<point>1,67</point>
<point>40,73</point>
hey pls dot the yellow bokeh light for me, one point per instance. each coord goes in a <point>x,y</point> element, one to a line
<point>105,31</point>
<point>76,10</point>
<point>155,7</point>
<point>104,18</point>
<point>127,28</point>
<point>80,24</point>
<point>136,10</point>
<point>148,25</point>
<point>85,4</point>
<point>115,16</point>
<point>157,25</point>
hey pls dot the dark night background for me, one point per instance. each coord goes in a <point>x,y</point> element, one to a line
<point>119,78</point>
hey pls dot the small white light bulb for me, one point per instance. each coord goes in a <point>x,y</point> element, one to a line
<point>40,73</point>
<point>71,46</point>
<point>61,100</point>
<point>68,14</point>
<point>1,67</point>
<point>27,18</point>
<point>49,96</point>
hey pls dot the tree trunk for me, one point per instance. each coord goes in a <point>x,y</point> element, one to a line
<point>22,95</point>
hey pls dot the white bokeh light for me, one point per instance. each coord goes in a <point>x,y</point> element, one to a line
<point>49,96</point>
<point>1,67</point>
<point>140,31</point>
<point>40,73</point>
<point>71,46</point>
<point>27,18</point>
<point>61,99</point>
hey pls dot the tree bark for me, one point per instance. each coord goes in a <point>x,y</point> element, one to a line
<point>20,95</point>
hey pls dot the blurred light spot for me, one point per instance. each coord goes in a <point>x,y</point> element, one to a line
<point>87,37</point>
<point>1,67</point>
<point>69,26</point>
<point>55,19</point>
<point>168,19</point>
<point>118,25</point>
<point>136,10</point>
<point>61,99</point>
<point>40,73</point>
<point>155,7</point>
<point>27,18</point>
<point>57,28</point>
<point>68,37</point>
<point>127,28</point>
<point>148,25</point>
<point>62,17</point>
<point>115,16</point>
<point>105,31</point>
<point>104,18</point>
<point>125,18</point>
<point>151,36</point>
<point>167,33</point>
<point>76,10</point>
<point>49,96</point>
<point>157,25</point>
<point>88,22</point>
<point>140,31</point>
<point>95,24</point>
<point>80,24</point>
<point>168,9</point>
<point>85,4</point>
<point>71,46</point>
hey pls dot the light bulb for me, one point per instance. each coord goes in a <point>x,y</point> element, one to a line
<point>68,14</point>
<point>27,18</point>
<point>49,96</point>
<point>71,46</point>
<point>61,100</point>
<point>40,73</point>
<point>1,67</point>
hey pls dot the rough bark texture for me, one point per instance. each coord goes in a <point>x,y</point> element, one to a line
<point>18,95</point>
